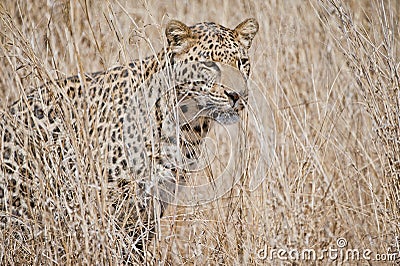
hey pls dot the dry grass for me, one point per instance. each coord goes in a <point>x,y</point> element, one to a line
<point>330,73</point>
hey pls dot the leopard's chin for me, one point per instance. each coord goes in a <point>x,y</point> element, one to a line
<point>226,117</point>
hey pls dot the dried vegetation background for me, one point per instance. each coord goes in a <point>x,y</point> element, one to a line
<point>329,71</point>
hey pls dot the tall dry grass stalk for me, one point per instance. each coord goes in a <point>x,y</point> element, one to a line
<point>370,46</point>
<point>327,70</point>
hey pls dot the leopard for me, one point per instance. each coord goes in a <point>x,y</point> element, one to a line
<point>118,136</point>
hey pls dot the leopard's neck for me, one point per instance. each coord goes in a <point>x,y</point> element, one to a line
<point>151,64</point>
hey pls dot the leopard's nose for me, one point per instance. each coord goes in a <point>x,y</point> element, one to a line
<point>232,96</point>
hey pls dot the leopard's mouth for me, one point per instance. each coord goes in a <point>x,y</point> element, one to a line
<point>228,111</point>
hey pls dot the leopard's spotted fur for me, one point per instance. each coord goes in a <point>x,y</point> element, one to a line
<point>119,127</point>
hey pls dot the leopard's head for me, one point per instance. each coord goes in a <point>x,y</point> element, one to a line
<point>221,48</point>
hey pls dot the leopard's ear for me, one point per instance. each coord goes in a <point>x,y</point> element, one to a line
<point>179,36</point>
<point>246,31</point>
